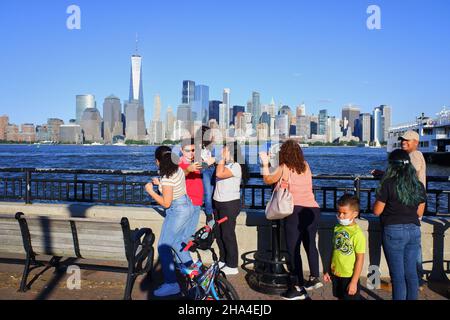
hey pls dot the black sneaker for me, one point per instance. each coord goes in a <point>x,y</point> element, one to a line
<point>295,293</point>
<point>313,283</point>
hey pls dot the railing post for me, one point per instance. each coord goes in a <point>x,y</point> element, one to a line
<point>357,189</point>
<point>28,186</point>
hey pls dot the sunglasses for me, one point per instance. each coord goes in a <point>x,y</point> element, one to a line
<point>189,150</point>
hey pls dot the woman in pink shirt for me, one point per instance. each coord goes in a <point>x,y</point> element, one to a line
<point>301,226</point>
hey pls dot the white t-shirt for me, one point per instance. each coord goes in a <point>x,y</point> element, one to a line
<point>177,181</point>
<point>229,189</point>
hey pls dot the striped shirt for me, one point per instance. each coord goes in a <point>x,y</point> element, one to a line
<point>177,182</point>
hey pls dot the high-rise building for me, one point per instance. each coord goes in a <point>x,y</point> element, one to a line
<point>135,121</point>
<point>333,129</point>
<point>91,124</point>
<point>303,128</point>
<point>188,93</point>
<point>256,104</point>
<point>12,133</point>
<point>71,133</point>
<point>156,132</point>
<point>235,111</point>
<point>282,124</point>
<point>157,108</point>
<point>4,121</point>
<point>170,122</point>
<point>83,102</point>
<point>200,107</point>
<point>53,125</point>
<point>301,110</point>
<point>314,124</point>
<point>27,133</point>
<point>365,124</point>
<point>223,116</point>
<point>272,108</point>
<point>323,115</point>
<point>377,125</point>
<point>249,107</point>
<point>351,113</point>
<point>214,110</point>
<point>386,115</point>
<point>136,89</point>
<point>112,119</point>
<point>227,103</point>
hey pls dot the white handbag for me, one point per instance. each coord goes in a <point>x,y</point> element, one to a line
<point>281,204</point>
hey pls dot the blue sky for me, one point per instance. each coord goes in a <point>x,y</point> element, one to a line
<point>317,52</point>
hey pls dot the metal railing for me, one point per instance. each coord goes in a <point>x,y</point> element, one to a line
<point>124,187</point>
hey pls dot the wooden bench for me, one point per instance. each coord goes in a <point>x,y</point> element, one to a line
<point>77,238</point>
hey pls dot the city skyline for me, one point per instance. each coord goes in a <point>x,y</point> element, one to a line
<point>321,62</point>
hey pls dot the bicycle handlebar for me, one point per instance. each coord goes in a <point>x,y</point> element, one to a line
<point>191,242</point>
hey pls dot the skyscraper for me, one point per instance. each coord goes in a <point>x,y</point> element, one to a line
<point>386,114</point>
<point>91,124</point>
<point>136,90</point>
<point>188,93</point>
<point>4,121</point>
<point>83,101</point>
<point>351,113</point>
<point>323,115</point>
<point>235,111</point>
<point>170,123</point>
<point>200,108</point>
<point>157,108</point>
<point>112,118</point>
<point>377,126</point>
<point>214,110</point>
<point>135,121</point>
<point>256,104</point>
<point>227,105</point>
<point>303,129</point>
<point>282,124</point>
<point>365,123</point>
<point>223,116</point>
<point>301,110</point>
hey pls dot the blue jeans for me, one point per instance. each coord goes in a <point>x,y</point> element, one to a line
<point>401,243</point>
<point>193,223</point>
<point>174,232</point>
<point>208,188</point>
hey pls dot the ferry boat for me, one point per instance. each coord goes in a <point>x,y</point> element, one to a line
<point>434,136</point>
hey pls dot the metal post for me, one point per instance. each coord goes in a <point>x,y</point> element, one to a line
<point>28,186</point>
<point>357,189</point>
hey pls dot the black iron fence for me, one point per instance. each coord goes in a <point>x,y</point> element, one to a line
<point>121,187</point>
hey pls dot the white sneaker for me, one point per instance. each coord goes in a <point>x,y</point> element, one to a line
<point>230,271</point>
<point>167,289</point>
<point>221,264</point>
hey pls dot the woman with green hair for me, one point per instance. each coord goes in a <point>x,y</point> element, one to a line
<point>400,202</point>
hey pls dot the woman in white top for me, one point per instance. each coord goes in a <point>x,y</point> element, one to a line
<point>179,213</point>
<point>230,172</point>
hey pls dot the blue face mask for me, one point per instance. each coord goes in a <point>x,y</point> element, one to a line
<point>345,222</point>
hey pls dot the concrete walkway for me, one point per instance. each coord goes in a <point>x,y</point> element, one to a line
<point>105,285</point>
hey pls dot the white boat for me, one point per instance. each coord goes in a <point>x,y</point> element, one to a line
<point>434,136</point>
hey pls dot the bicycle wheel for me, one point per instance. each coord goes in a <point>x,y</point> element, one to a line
<point>225,289</point>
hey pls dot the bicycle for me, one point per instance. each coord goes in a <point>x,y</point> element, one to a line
<point>202,282</point>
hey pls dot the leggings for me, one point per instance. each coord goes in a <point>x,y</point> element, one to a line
<point>301,227</point>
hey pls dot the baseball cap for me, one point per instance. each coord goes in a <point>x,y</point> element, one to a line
<point>409,135</point>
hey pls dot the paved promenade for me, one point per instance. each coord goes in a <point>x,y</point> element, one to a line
<point>105,285</point>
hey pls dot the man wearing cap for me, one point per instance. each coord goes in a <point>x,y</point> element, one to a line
<point>410,143</point>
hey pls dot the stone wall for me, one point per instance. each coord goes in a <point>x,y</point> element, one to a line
<point>254,231</point>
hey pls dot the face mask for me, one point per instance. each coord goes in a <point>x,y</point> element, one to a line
<point>345,222</point>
